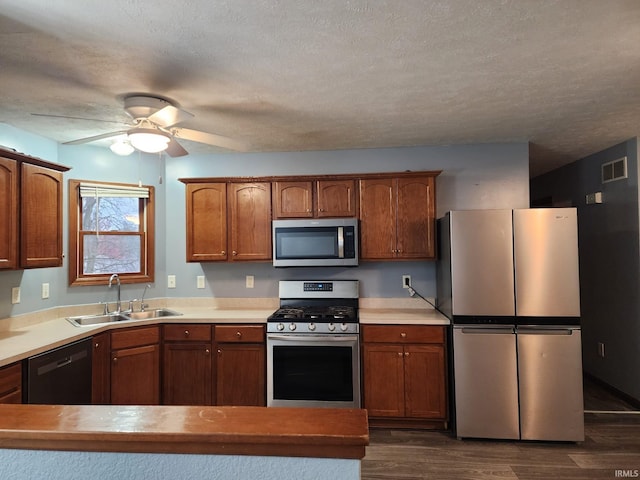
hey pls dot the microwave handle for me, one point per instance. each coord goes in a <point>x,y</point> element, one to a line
<point>340,242</point>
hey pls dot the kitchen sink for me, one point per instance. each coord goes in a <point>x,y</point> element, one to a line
<point>160,312</point>
<point>89,320</point>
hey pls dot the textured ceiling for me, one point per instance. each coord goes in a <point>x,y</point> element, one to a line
<point>289,75</point>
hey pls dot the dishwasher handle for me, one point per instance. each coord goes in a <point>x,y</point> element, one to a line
<point>56,364</point>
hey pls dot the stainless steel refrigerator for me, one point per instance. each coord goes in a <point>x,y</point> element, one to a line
<point>508,281</point>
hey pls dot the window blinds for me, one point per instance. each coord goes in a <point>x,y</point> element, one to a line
<point>102,190</point>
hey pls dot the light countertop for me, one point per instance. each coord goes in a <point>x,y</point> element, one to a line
<point>28,335</point>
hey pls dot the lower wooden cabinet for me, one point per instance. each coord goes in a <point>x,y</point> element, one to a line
<point>101,369</point>
<point>11,383</point>
<point>240,365</point>
<point>187,369</point>
<point>135,366</point>
<point>404,372</point>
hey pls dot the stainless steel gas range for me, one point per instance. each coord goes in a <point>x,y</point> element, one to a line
<point>313,346</point>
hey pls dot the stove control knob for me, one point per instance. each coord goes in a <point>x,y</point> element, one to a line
<point>312,326</point>
<point>292,326</point>
<point>331,327</point>
<point>344,327</point>
<point>280,327</point>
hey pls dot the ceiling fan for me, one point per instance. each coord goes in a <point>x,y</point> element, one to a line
<point>154,129</point>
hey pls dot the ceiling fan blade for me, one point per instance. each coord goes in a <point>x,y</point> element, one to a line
<point>175,149</point>
<point>210,139</point>
<point>169,115</point>
<point>95,137</point>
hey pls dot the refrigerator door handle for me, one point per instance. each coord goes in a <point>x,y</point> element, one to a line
<point>488,331</point>
<point>546,331</point>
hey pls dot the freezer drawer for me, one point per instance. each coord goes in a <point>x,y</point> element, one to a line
<point>486,382</point>
<point>550,376</point>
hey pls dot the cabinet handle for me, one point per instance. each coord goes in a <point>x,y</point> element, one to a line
<point>223,252</point>
<point>207,351</point>
<point>238,334</point>
<point>234,253</point>
<point>115,359</point>
<point>320,210</point>
<point>406,354</point>
<point>219,352</point>
<point>186,333</point>
<point>399,354</point>
<point>403,334</point>
<point>96,345</point>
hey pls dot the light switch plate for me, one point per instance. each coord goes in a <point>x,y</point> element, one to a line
<point>45,290</point>
<point>248,281</point>
<point>200,281</point>
<point>171,281</point>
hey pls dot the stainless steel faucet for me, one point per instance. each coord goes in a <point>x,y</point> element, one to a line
<point>142,304</point>
<point>117,279</point>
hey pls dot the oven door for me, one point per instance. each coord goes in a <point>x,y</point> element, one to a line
<point>313,370</point>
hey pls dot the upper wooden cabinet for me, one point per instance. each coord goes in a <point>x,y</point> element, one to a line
<point>319,199</point>
<point>206,222</point>
<point>397,218</point>
<point>30,212</point>
<point>228,221</point>
<point>8,213</point>
<point>249,222</point>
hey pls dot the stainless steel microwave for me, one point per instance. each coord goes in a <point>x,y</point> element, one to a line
<point>315,242</point>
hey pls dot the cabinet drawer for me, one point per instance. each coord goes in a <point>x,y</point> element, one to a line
<point>186,332</point>
<point>402,334</point>
<point>239,333</point>
<point>10,379</point>
<point>132,337</point>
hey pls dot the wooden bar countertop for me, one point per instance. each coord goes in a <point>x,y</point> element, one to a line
<point>260,431</point>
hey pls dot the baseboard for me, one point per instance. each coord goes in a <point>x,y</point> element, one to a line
<point>613,390</point>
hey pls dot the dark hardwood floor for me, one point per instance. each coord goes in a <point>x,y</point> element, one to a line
<point>611,450</point>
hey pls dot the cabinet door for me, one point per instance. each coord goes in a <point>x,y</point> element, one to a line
<point>292,200</point>
<point>8,214</point>
<point>101,369</point>
<point>187,374</point>
<point>383,380</point>
<point>336,198</point>
<point>240,374</point>
<point>206,222</point>
<point>41,217</point>
<point>424,381</point>
<point>415,218</point>
<point>377,219</point>
<point>250,221</point>
<point>11,384</point>
<point>135,376</point>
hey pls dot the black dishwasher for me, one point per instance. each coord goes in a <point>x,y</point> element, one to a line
<point>61,376</point>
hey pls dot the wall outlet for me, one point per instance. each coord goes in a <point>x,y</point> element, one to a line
<point>601,349</point>
<point>15,295</point>
<point>171,281</point>
<point>45,290</point>
<point>200,281</point>
<point>406,281</point>
<point>248,281</point>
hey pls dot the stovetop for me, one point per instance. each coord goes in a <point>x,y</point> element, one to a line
<point>316,307</point>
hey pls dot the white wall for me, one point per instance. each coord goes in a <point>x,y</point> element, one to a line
<point>473,176</point>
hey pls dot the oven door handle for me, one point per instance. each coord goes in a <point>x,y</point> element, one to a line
<point>296,338</point>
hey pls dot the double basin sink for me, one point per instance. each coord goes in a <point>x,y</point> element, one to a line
<point>91,320</point>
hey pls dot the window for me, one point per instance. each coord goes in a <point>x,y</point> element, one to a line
<point>111,230</point>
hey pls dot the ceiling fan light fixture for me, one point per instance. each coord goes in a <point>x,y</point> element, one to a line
<point>122,147</point>
<point>149,140</point>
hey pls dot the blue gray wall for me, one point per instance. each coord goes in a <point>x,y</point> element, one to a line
<point>609,238</point>
<point>474,176</point>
